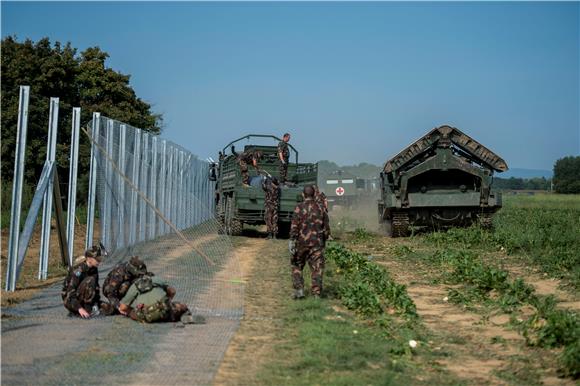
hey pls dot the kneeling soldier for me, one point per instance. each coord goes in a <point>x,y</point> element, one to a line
<point>80,291</point>
<point>148,300</point>
<point>120,278</point>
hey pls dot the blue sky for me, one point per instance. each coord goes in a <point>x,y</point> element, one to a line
<point>352,82</point>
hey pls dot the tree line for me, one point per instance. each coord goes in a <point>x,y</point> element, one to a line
<point>79,80</point>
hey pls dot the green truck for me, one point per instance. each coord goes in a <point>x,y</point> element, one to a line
<point>237,205</point>
<point>443,179</point>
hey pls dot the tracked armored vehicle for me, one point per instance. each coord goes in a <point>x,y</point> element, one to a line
<point>237,204</point>
<point>443,179</point>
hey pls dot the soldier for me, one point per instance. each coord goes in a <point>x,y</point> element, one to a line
<point>271,205</point>
<point>320,198</point>
<point>308,234</point>
<point>284,156</point>
<point>245,158</point>
<point>80,291</point>
<point>148,300</point>
<point>120,278</point>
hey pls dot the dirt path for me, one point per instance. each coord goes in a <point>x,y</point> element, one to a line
<point>262,262</point>
<point>42,345</point>
<point>482,348</point>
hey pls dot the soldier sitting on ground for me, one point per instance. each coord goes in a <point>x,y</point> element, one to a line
<point>148,300</point>
<point>271,205</point>
<point>120,278</point>
<point>80,291</point>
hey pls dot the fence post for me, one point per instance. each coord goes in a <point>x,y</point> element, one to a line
<point>72,181</point>
<point>13,241</point>
<point>134,207</point>
<point>153,188</point>
<point>143,208</point>
<point>47,205</point>
<point>162,185</point>
<point>107,185</point>
<point>122,202</point>
<point>92,180</point>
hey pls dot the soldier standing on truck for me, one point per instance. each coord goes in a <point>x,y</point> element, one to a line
<point>248,157</point>
<point>308,234</point>
<point>271,205</point>
<point>284,157</point>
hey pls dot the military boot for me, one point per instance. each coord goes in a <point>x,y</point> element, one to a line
<point>188,318</point>
<point>298,294</point>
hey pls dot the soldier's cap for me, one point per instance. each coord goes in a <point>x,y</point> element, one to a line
<point>258,154</point>
<point>136,266</point>
<point>94,252</point>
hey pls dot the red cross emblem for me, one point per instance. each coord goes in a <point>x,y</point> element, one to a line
<point>339,191</point>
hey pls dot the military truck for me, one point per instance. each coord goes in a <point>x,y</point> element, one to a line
<point>339,187</point>
<point>237,205</point>
<point>443,179</point>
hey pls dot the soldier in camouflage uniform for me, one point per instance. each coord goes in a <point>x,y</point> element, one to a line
<point>80,291</point>
<point>248,157</point>
<point>271,205</point>
<point>308,234</point>
<point>120,278</point>
<point>284,156</point>
<point>320,198</point>
<point>148,300</point>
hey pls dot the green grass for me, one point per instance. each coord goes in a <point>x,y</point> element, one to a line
<point>542,229</point>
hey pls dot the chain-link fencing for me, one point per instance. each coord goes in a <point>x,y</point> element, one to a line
<point>152,198</point>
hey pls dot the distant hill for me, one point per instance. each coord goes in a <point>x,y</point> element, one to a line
<point>526,173</point>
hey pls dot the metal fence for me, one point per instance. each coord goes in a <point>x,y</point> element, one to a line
<point>147,187</point>
<point>147,197</point>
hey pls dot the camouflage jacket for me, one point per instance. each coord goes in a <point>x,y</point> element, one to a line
<point>321,200</point>
<point>74,278</point>
<point>117,282</point>
<point>247,156</point>
<point>310,227</point>
<point>271,193</point>
<point>283,148</point>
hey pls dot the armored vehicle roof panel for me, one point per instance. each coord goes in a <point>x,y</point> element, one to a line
<point>446,136</point>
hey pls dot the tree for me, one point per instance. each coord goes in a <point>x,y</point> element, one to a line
<point>79,81</point>
<point>567,175</point>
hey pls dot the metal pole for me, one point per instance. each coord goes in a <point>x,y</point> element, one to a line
<point>92,181</point>
<point>153,188</point>
<point>72,181</point>
<point>180,192</point>
<point>143,188</point>
<point>162,184</point>
<point>169,187</point>
<point>134,207</point>
<point>108,193</point>
<point>47,205</point>
<point>22,127</point>
<point>121,240</point>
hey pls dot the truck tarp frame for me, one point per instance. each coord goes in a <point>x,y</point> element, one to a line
<point>260,136</point>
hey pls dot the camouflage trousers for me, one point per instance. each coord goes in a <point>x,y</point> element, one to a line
<point>283,172</point>
<point>244,171</point>
<point>162,311</point>
<point>271,218</point>
<point>315,259</point>
<point>115,295</point>
<point>87,294</point>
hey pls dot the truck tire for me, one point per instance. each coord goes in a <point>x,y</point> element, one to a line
<point>284,230</point>
<point>233,226</point>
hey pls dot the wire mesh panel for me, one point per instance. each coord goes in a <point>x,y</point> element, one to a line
<point>153,200</point>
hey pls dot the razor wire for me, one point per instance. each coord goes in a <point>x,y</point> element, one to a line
<point>153,199</point>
